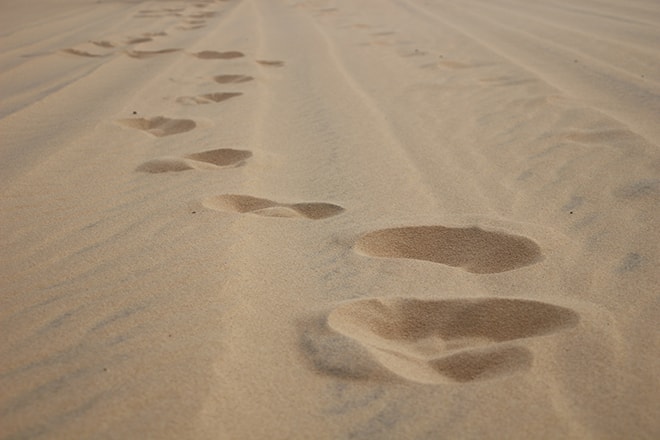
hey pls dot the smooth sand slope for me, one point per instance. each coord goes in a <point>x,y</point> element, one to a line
<point>330,219</point>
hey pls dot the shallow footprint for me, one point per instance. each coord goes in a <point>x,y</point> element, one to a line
<point>82,53</point>
<point>103,43</point>
<point>143,54</point>
<point>206,160</point>
<point>471,249</point>
<point>207,98</point>
<point>269,208</point>
<point>160,126</point>
<point>138,40</point>
<point>458,340</point>
<point>214,55</point>
<point>271,63</point>
<point>232,79</point>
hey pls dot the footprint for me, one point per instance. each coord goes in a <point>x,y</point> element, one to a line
<point>142,54</point>
<point>138,40</point>
<point>83,53</point>
<point>208,14</point>
<point>206,160</point>
<point>213,55</point>
<point>103,43</point>
<point>159,125</point>
<point>192,27</point>
<point>159,13</point>
<point>471,249</point>
<point>232,79</point>
<point>155,34</point>
<point>453,340</point>
<point>207,98</point>
<point>271,63</point>
<point>269,208</point>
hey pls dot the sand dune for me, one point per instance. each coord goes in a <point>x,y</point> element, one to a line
<point>384,219</point>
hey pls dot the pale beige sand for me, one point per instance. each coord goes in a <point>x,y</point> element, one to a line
<point>313,219</point>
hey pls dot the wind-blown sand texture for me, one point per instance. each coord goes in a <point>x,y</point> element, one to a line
<point>314,219</point>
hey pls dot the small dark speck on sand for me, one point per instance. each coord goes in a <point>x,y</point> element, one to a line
<point>134,112</point>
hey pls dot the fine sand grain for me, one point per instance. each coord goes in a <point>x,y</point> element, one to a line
<point>315,219</point>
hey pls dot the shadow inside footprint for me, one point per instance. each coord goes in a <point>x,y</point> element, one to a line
<point>207,98</point>
<point>159,126</point>
<point>471,249</point>
<point>436,341</point>
<point>206,160</point>
<point>269,208</point>
<point>229,79</point>
<point>214,55</point>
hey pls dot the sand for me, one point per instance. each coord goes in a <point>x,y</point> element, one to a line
<point>307,219</point>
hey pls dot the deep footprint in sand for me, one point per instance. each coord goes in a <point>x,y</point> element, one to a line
<point>215,55</point>
<point>269,208</point>
<point>159,126</point>
<point>207,98</point>
<point>453,340</point>
<point>206,160</point>
<point>472,249</point>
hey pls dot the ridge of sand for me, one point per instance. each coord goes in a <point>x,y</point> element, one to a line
<point>484,180</point>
